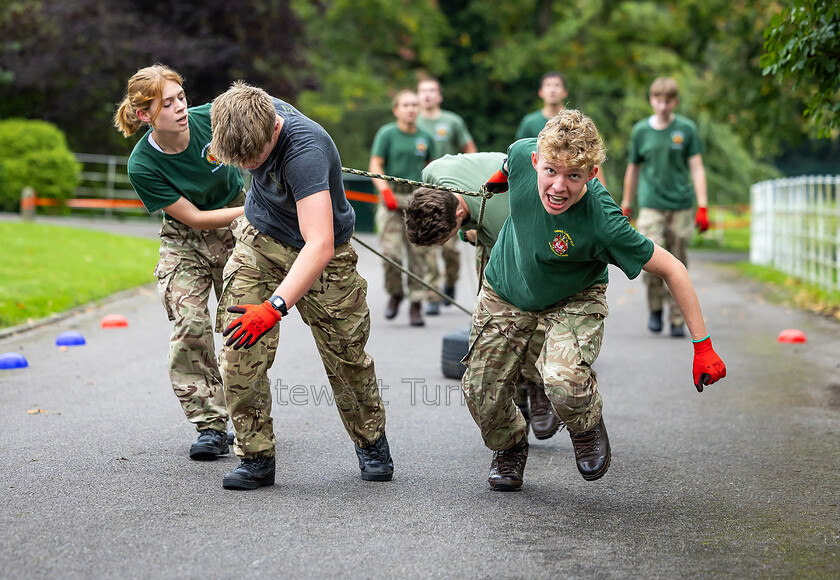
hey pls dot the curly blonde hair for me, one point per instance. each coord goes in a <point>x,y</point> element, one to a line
<point>571,139</point>
<point>242,119</point>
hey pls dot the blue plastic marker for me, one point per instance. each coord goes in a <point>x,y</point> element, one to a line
<point>12,360</point>
<point>70,338</point>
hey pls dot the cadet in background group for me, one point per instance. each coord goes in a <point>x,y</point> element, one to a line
<point>400,149</point>
<point>451,136</point>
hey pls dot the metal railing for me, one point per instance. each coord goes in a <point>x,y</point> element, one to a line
<point>796,227</point>
<point>104,177</point>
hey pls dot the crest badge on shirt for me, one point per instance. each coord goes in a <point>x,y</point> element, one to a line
<point>205,152</point>
<point>677,139</point>
<point>421,147</point>
<point>442,132</point>
<point>561,243</point>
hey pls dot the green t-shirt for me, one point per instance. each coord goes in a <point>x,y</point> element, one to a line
<point>405,154</point>
<point>469,172</point>
<point>161,179</point>
<point>665,180</point>
<point>541,259</point>
<point>449,132</point>
<point>531,125</point>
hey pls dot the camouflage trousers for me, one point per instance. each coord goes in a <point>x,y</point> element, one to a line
<point>672,230</point>
<point>393,242</point>
<point>451,266</point>
<point>499,342</point>
<point>529,369</point>
<point>336,311</point>
<point>190,266</point>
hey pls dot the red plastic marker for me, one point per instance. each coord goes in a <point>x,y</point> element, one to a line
<point>114,321</point>
<point>792,335</point>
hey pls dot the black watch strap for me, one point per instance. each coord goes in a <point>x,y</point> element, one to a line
<point>279,304</point>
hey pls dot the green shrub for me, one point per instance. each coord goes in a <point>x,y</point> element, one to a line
<point>34,153</point>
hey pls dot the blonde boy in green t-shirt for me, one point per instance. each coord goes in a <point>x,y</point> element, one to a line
<point>549,265</point>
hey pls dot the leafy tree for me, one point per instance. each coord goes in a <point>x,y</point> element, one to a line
<point>610,51</point>
<point>361,52</point>
<point>70,59</point>
<point>803,44</point>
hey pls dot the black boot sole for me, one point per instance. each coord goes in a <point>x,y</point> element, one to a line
<point>208,453</point>
<point>506,486</point>
<point>377,476</point>
<point>245,484</point>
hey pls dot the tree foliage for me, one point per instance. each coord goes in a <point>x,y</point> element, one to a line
<point>34,154</point>
<point>340,61</point>
<point>69,60</point>
<point>803,44</point>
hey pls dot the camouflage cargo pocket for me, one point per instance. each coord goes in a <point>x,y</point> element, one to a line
<point>341,290</point>
<point>480,319</point>
<point>165,272</point>
<point>223,317</point>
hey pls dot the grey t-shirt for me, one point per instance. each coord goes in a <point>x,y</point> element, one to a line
<point>304,161</point>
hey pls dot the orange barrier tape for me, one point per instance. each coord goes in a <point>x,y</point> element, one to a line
<point>360,196</point>
<point>88,203</point>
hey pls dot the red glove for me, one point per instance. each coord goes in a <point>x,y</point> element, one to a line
<point>256,320</point>
<point>389,199</point>
<point>626,212</point>
<point>708,368</point>
<point>701,219</point>
<point>497,182</point>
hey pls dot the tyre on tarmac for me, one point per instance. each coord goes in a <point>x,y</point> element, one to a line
<point>455,347</point>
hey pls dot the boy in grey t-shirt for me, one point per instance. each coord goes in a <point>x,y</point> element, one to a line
<point>291,249</point>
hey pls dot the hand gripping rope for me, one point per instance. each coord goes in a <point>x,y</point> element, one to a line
<point>482,192</point>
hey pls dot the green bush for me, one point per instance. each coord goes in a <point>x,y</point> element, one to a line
<point>34,153</point>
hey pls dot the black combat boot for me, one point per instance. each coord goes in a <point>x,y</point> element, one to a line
<point>375,461</point>
<point>450,292</point>
<point>415,316</point>
<point>252,473</point>
<point>544,421</point>
<point>592,451</point>
<point>393,306</point>
<point>508,466</point>
<point>209,445</point>
<point>655,321</point>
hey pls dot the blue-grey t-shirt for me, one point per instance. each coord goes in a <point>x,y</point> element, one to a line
<point>304,161</point>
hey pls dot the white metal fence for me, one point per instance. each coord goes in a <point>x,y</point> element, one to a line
<point>794,227</point>
<point>105,177</point>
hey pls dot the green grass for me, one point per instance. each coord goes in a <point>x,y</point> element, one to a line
<point>730,240</point>
<point>792,291</point>
<point>48,269</point>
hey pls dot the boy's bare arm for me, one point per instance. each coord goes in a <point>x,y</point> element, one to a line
<point>315,219</point>
<point>377,165</point>
<point>698,177</point>
<point>316,227</point>
<point>707,366</point>
<point>631,180</point>
<point>185,212</point>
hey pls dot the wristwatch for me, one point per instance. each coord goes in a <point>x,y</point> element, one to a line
<point>279,304</point>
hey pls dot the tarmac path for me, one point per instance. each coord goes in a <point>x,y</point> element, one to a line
<point>741,481</point>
